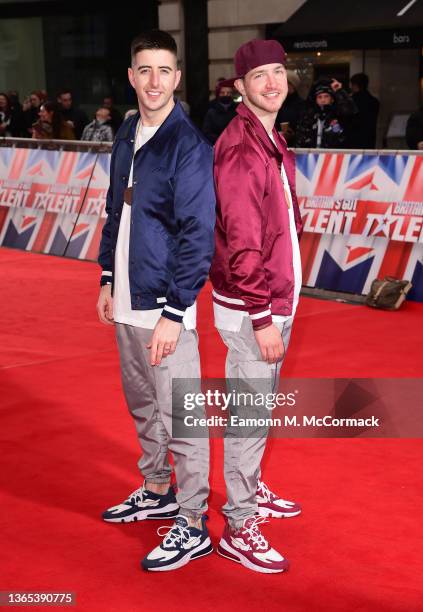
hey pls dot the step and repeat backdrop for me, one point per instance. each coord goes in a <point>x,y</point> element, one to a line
<point>362,211</point>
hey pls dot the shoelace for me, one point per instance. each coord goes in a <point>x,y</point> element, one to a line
<point>265,491</point>
<point>177,534</point>
<point>255,534</point>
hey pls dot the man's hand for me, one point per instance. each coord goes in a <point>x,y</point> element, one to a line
<point>164,339</point>
<point>105,305</point>
<point>270,343</point>
<point>336,85</point>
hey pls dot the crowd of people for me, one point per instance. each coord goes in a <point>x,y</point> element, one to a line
<point>330,118</point>
<point>41,117</point>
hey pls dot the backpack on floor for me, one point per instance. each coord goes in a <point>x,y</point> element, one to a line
<point>388,294</point>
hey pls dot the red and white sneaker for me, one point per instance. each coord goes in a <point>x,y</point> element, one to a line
<point>248,546</point>
<point>269,504</point>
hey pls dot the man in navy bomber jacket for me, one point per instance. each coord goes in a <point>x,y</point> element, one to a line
<point>155,253</point>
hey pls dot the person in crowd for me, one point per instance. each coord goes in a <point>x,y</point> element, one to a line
<point>130,113</point>
<point>31,110</point>
<point>26,104</point>
<point>11,118</point>
<point>361,126</point>
<point>51,125</point>
<point>17,113</point>
<point>217,84</point>
<point>220,112</point>
<point>13,96</point>
<point>185,106</point>
<point>322,125</point>
<point>5,115</point>
<point>100,129</point>
<point>291,110</point>
<point>256,278</point>
<point>414,130</point>
<point>155,252</point>
<point>115,116</point>
<point>75,116</point>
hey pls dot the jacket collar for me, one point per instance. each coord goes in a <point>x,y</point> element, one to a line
<point>259,130</point>
<point>163,133</point>
<point>279,151</point>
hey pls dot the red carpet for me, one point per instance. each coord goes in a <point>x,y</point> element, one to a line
<point>69,450</point>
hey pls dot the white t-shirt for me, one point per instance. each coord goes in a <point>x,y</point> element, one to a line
<point>122,311</point>
<point>230,319</point>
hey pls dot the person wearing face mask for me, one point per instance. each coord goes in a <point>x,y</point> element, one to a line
<point>322,124</point>
<point>99,130</point>
<point>220,113</point>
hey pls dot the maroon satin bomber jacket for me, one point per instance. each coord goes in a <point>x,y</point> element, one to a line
<point>252,266</point>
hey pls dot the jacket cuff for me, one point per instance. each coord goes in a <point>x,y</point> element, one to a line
<point>174,312</point>
<point>260,318</point>
<point>106,277</point>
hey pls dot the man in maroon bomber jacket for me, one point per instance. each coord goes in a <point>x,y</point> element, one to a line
<point>256,277</point>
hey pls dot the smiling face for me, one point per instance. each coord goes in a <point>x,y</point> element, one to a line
<point>264,89</point>
<point>154,76</point>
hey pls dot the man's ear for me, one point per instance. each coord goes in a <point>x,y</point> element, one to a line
<point>131,77</point>
<point>178,78</point>
<point>239,86</point>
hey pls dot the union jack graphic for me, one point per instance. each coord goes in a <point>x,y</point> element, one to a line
<point>20,228</point>
<point>41,167</point>
<point>381,178</point>
<point>71,235</point>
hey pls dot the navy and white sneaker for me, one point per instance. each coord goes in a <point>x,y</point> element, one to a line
<point>180,545</point>
<point>143,504</point>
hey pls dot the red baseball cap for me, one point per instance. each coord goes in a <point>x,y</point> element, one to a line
<point>255,53</point>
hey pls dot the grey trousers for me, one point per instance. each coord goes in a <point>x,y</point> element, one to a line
<point>243,455</point>
<point>148,392</point>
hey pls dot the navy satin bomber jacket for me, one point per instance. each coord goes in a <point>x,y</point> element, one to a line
<point>172,214</point>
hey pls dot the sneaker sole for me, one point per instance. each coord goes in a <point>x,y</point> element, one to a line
<point>266,512</point>
<point>169,511</point>
<point>201,551</point>
<point>225,550</point>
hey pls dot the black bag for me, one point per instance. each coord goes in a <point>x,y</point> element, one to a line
<point>388,293</point>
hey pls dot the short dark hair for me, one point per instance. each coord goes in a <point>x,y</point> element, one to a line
<point>50,106</point>
<point>64,91</point>
<point>361,80</point>
<point>153,39</point>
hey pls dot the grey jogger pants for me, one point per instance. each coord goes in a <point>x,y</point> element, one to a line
<point>243,455</point>
<point>148,392</point>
